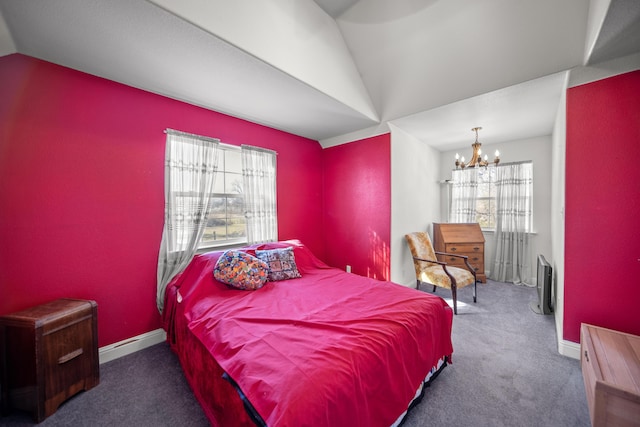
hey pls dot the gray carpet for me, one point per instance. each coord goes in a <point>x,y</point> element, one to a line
<point>505,372</point>
<point>146,388</point>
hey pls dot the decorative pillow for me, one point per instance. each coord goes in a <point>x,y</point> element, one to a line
<point>241,270</point>
<point>282,263</point>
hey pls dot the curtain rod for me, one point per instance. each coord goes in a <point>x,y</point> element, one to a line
<point>169,131</point>
<point>266,150</point>
<point>499,165</point>
<point>514,163</point>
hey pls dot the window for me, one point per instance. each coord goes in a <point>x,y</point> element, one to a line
<point>215,195</point>
<point>485,214</point>
<point>226,223</point>
<point>482,194</point>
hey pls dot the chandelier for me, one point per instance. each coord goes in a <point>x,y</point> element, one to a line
<point>476,159</point>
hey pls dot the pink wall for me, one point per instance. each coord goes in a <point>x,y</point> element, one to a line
<point>81,189</point>
<point>602,222</point>
<point>357,217</point>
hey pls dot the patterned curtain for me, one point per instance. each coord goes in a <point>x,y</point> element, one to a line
<point>190,169</point>
<point>514,189</point>
<point>259,177</point>
<point>464,188</point>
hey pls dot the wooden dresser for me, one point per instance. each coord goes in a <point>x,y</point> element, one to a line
<point>610,363</point>
<point>461,239</point>
<point>48,354</point>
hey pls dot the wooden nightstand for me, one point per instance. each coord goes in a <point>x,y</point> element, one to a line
<point>48,354</point>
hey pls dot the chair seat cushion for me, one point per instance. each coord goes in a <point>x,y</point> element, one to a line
<point>436,276</point>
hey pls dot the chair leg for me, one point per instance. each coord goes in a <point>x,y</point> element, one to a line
<point>434,288</point>
<point>475,291</point>
<point>418,284</point>
<point>454,296</point>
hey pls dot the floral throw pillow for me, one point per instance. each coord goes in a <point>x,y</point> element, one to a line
<point>241,270</point>
<point>282,263</point>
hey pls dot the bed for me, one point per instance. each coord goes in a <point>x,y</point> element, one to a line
<point>329,348</point>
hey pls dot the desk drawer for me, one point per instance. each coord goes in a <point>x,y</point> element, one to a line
<point>464,248</point>
<point>476,261</point>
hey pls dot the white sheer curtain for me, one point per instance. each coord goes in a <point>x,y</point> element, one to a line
<point>190,169</point>
<point>463,195</point>
<point>514,188</point>
<point>259,178</point>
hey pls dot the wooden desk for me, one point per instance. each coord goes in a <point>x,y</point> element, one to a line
<point>49,353</point>
<point>610,362</point>
<point>461,239</point>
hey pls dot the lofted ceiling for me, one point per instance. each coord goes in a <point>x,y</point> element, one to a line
<point>324,69</point>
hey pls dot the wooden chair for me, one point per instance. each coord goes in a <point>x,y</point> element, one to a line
<point>437,273</point>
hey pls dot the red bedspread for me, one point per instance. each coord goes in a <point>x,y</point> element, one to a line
<point>328,349</point>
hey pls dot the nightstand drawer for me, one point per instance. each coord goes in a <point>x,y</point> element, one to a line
<point>67,359</point>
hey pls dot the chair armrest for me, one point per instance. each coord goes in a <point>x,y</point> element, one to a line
<point>448,254</point>
<point>466,261</point>
<point>431,261</point>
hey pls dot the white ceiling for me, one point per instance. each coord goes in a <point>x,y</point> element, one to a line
<point>521,111</point>
<point>326,68</point>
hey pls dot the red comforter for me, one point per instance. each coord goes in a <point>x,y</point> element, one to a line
<point>328,349</point>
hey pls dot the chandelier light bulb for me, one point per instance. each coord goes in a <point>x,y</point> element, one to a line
<point>497,153</point>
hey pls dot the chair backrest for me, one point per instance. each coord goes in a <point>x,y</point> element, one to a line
<point>420,245</point>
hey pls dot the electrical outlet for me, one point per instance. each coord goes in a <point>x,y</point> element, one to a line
<point>348,268</point>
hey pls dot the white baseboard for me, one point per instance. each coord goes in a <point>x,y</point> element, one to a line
<point>131,345</point>
<point>137,343</point>
<point>569,349</point>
